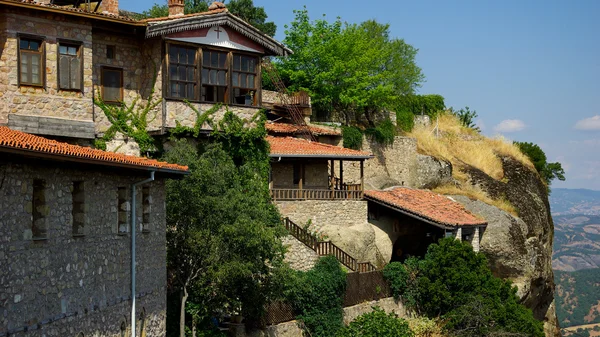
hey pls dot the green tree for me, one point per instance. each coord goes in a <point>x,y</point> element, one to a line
<point>244,9</point>
<point>377,324</point>
<point>547,171</point>
<point>222,234</point>
<point>466,117</point>
<point>352,71</point>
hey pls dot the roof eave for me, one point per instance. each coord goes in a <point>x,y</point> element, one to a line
<point>320,156</point>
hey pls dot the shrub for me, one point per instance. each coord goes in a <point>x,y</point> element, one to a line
<point>397,276</point>
<point>417,104</point>
<point>405,120</point>
<point>548,171</point>
<point>353,137</point>
<point>424,327</point>
<point>317,297</point>
<point>377,324</point>
<point>384,133</point>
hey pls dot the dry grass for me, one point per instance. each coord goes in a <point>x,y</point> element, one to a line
<point>473,192</point>
<point>461,145</point>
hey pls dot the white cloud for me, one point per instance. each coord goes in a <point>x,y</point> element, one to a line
<point>510,125</point>
<point>589,124</point>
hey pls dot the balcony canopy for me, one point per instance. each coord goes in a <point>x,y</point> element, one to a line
<point>288,147</point>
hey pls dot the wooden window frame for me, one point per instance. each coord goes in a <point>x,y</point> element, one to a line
<point>229,99</point>
<point>106,68</point>
<point>80,54</point>
<point>197,62</point>
<point>41,52</point>
<point>227,86</point>
<point>256,74</point>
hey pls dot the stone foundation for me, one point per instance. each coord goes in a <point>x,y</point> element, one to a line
<point>298,255</point>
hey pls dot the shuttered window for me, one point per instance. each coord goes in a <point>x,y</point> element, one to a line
<point>112,85</point>
<point>69,67</point>
<point>31,52</point>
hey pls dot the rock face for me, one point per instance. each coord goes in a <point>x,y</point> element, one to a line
<point>520,249</point>
<point>431,172</point>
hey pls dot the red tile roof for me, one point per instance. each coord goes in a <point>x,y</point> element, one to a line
<point>70,10</point>
<point>292,129</point>
<point>428,205</point>
<point>296,148</point>
<point>21,141</point>
<point>185,16</point>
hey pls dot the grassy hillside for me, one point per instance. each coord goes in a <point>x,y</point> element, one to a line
<point>576,242</point>
<point>464,147</point>
<point>578,297</point>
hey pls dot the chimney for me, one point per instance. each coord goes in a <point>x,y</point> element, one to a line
<point>109,7</point>
<point>176,8</point>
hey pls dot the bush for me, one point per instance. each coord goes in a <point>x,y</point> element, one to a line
<point>547,171</point>
<point>405,120</point>
<point>397,276</point>
<point>377,324</point>
<point>384,133</point>
<point>353,137</point>
<point>317,297</point>
<point>421,104</point>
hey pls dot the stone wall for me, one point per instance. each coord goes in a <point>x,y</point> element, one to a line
<point>343,222</point>
<point>316,174</point>
<point>393,165</point>
<point>47,100</point>
<point>298,255</point>
<point>64,284</point>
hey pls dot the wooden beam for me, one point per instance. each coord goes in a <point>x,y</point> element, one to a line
<point>301,176</point>
<point>362,177</point>
<point>341,174</point>
<point>332,174</point>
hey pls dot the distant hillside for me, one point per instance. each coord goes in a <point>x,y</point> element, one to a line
<point>578,297</point>
<point>574,201</point>
<point>576,242</point>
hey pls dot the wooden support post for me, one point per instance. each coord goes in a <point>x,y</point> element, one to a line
<point>301,180</point>
<point>362,178</point>
<point>341,174</point>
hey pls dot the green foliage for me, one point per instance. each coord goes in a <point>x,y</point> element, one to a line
<point>455,283</point>
<point>405,120</point>
<point>350,70</point>
<point>377,324</point>
<point>353,137</point>
<point>317,297</point>
<point>395,273</point>
<point>579,294</point>
<point>547,171</point>
<point>244,9</point>
<point>384,133</point>
<point>222,229</point>
<point>466,117</point>
<point>201,118</point>
<point>428,105</point>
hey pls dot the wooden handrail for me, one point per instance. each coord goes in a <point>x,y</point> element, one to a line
<point>310,194</point>
<point>324,248</point>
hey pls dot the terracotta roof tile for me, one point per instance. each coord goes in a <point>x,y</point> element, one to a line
<point>166,18</point>
<point>17,140</point>
<point>296,147</point>
<point>432,206</point>
<point>73,10</point>
<point>292,129</point>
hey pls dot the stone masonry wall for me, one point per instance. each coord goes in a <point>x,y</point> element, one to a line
<point>315,175</point>
<point>66,284</point>
<point>298,255</point>
<point>46,101</point>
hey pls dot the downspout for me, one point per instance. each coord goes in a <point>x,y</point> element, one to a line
<point>133,221</point>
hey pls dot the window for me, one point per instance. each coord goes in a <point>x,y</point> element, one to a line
<point>110,52</point>
<point>146,201</point>
<point>39,210</point>
<point>182,72</point>
<point>78,197</point>
<point>244,79</point>
<point>69,66</point>
<point>123,209</point>
<point>214,76</point>
<point>31,57</point>
<point>112,85</point>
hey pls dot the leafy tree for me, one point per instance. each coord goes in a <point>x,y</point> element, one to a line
<point>421,104</point>
<point>466,117</point>
<point>547,171</point>
<point>244,9</point>
<point>352,71</point>
<point>222,230</point>
<point>377,324</point>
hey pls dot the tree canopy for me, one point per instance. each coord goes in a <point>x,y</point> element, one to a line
<point>244,9</point>
<point>352,71</point>
<point>547,171</point>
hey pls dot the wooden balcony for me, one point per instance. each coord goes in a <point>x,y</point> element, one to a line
<point>309,194</point>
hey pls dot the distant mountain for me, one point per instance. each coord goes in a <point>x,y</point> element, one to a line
<point>574,201</point>
<point>578,297</point>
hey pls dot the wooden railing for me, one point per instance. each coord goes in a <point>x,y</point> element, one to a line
<point>324,248</point>
<point>300,98</point>
<point>298,194</point>
<point>338,185</point>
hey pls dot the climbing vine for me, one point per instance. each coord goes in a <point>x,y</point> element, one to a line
<point>201,118</point>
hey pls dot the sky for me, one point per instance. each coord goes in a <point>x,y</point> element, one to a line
<point>531,69</point>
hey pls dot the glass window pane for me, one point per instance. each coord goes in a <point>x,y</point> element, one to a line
<point>182,55</point>
<point>250,81</point>
<point>173,73</point>
<point>182,73</point>
<point>235,79</point>
<point>112,85</point>
<point>62,49</point>
<point>252,65</point>
<point>190,74</point>
<point>244,63</point>
<point>213,77</point>
<point>174,89</point>
<point>24,44</point>
<point>206,58</point>
<point>243,80</point>
<point>34,45</point>
<point>221,78</point>
<point>236,62</point>
<point>204,75</point>
<point>214,59</point>
<point>222,60</point>
<point>72,50</point>
<point>173,54</point>
<point>190,91</point>
<point>221,94</point>
<point>191,56</point>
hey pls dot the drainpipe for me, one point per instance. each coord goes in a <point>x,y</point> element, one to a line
<point>133,221</point>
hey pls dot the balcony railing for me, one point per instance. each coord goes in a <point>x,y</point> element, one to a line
<point>339,185</point>
<point>298,194</point>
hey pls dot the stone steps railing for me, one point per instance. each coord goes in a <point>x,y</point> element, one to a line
<point>324,248</point>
